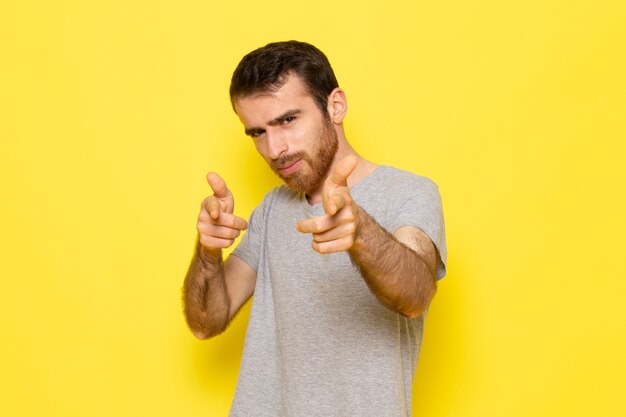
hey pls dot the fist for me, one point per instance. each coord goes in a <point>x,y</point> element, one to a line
<point>335,231</point>
<point>217,226</point>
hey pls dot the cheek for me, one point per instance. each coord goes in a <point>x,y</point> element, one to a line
<point>303,138</point>
<point>260,148</point>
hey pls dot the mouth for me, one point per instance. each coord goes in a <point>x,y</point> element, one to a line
<point>289,167</point>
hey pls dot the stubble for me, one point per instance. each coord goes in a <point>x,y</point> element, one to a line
<point>308,180</point>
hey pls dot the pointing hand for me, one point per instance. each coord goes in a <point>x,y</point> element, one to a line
<point>336,230</point>
<point>217,225</point>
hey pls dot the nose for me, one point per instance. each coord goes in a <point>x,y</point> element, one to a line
<point>276,144</point>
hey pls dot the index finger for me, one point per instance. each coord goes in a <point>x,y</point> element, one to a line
<point>339,175</point>
<point>232,221</point>
<point>317,224</point>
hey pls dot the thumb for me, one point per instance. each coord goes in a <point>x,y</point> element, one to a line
<point>218,185</point>
<point>339,175</point>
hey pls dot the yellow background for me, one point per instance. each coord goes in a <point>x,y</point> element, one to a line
<point>111,113</point>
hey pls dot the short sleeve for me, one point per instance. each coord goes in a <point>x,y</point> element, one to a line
<point>249,248</point>
<point>417,203</point>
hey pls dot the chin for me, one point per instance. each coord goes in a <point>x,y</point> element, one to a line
<point>299,184</point>
<point>296,185</point>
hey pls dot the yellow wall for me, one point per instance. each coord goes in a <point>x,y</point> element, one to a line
<point>111,113</point>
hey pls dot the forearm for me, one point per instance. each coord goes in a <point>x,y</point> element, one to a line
<point>205,298</point>
<point>396,274</point>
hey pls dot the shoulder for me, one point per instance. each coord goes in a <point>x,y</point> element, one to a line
<point>404,175</point>
<point>399,181</point>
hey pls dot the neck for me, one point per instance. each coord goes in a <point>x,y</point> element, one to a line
<point>362,170</point>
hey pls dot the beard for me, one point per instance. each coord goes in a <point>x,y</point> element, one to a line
<point>308,180</point>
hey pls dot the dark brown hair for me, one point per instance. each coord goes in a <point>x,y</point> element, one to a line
<point>266,69</point>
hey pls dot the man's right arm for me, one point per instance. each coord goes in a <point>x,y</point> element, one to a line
<point>214,291</point>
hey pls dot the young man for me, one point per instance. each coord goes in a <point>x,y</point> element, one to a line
<point>343,260</point>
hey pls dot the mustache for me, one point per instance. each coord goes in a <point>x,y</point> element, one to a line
<point>286,160</point>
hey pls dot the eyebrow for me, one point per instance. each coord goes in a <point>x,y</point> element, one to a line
<point>275,121</point>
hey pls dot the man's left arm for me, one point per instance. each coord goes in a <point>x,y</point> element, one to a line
<point>400,269</point>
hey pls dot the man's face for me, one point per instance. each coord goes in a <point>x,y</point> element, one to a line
<point>290,133</point>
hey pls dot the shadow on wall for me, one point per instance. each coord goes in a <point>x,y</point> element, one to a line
<point>215,362</point>
<point>445,357</point>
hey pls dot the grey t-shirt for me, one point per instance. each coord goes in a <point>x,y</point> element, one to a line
<point>318,342</point>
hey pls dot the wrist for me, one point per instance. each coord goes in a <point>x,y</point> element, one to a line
<point>361,221</point>
<point>208,255</point>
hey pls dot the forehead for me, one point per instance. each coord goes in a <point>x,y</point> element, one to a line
<point>258,109</point>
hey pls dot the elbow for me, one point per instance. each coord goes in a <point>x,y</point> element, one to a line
<point>205,334</point>
<point>418,305</point>
<point>202,334</point>
<point>409,309</point>
<point>204,324</point>
<point>412,313</point>
<point>203,330</point>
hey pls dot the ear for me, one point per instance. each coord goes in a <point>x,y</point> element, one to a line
<point>337,105</point>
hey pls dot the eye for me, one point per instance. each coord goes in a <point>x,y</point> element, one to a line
<point>288,120</point>
<point>256,133</point>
